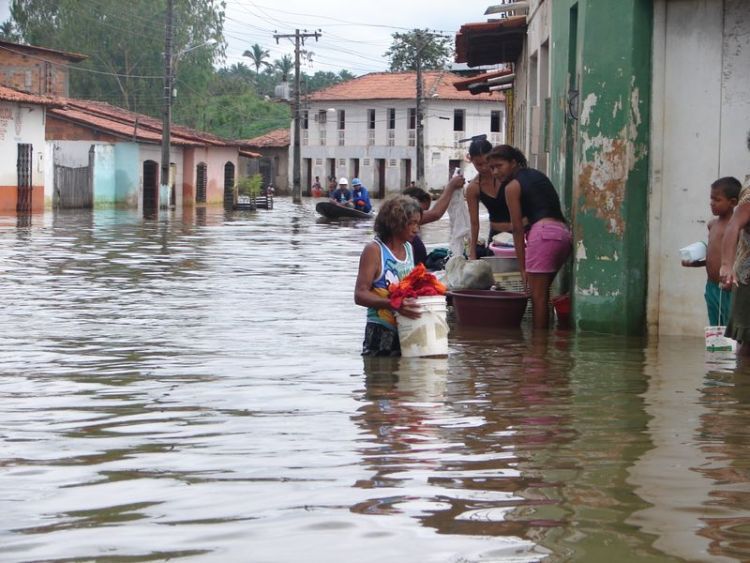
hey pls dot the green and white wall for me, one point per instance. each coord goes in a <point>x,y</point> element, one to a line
<point>599,157</point>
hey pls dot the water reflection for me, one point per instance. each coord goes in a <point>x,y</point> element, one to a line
<point>696,475</point>
<point>191,386</point>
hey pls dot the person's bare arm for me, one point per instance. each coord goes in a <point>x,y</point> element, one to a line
<point>472,201</point>
<point>441,205</point>
<point>369,269</point>
<point>739,221</point>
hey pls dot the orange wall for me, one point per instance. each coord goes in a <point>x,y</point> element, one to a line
<point>9,198</point>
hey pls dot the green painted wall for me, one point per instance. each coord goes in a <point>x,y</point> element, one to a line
<point>602,49</point>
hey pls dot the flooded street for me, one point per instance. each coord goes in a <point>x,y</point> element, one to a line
<point>190,388</point>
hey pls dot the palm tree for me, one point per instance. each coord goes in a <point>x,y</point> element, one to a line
<point>258,55</point>
<point>284,65</point>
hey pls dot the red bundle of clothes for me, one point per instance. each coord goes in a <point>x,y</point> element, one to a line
<point>418,283</point>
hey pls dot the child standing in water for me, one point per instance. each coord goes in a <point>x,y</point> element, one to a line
<point>724,196</point>
<point>384,261</point>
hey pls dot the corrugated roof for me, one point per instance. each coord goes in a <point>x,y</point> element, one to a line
<point>464,83</point>
<point>493,42</point>
<point>398,86</point>
<point>41,51</point>
<point>12,95</point>
<point>278,138</point>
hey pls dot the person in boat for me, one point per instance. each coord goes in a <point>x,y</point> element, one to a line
<point>385,261</point>
<point>331,186</point>
<point>490,191</point>
<point>342,195</point>
<point>360,196</point>
<point>530,194</point>
<point>430,214</point>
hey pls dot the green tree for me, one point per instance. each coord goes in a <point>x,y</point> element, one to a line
<point>8,32</point>
<point>124,44</point>
<point>285,66</point>
<point>259,56</point>
<point>243,116</point>
<point>434,50</point>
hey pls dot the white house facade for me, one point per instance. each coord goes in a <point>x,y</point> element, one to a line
<point>367,128</point>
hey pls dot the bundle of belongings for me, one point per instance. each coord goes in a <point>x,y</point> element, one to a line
<point>468,274</point>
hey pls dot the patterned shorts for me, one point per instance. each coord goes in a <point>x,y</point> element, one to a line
<point>380,341</point>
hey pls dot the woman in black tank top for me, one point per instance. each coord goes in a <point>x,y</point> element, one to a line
<point>490,191</point>
<point>529,193</point>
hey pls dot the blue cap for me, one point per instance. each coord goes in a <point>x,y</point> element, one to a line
<point>356,182</point>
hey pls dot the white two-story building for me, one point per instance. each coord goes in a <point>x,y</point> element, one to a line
<point>367,128</point>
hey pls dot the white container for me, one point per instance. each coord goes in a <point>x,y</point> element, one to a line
<point>695,252</point>
<point>717,342</point>
<point>427,335</point>
<point>501,265</point>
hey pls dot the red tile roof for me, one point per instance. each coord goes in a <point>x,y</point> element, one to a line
<point>124,123</point>
<point>398,86</point>
<point>491,42</point>
<point>278,138</point>
<point>250,154</point>
<point>41,52</point>
<point>11,95</point>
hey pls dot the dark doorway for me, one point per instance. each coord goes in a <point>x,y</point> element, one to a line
<point>307,180</point>
<point>150,187</point>
<point>24,167</point>
<point>201,181</point>
<point>380,176</point>
<point>332,168</point>
<point>452,165</point>
<point>354,167</point>
<point>229,185</point>
<point>406,171</point>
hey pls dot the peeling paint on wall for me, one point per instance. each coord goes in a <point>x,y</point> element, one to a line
<point>606,164</point>
<point>580,251</point>
<point>588,105</point>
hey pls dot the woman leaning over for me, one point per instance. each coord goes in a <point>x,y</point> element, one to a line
<point>530,194</point>
<point>490,191</point>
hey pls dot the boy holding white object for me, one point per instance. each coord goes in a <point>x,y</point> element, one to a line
<point>724,196</point>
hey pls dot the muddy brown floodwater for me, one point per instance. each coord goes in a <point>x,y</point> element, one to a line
<point>190,388</point>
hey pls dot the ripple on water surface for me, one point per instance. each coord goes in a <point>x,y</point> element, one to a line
<point>190,387</point>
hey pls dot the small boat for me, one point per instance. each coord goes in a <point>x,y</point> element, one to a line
<point>332,210</point>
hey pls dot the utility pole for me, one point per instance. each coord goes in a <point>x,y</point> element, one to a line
<point>299,40</point>
<point>167,110</point>
<point>420,110</point>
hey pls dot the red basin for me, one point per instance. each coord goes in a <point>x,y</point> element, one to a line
<point>486,307</point>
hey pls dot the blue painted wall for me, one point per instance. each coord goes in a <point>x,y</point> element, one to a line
<point>104,175</point>
<point>127,174</point>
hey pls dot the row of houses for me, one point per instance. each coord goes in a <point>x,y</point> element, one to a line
<point>71,153</point>
<point>633,108</point>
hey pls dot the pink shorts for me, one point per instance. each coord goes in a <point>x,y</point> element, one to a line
<point>548,246</point>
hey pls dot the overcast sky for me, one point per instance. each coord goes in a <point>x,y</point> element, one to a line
<point>352,38</point>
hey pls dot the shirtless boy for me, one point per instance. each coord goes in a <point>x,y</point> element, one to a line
<point>724,196</point>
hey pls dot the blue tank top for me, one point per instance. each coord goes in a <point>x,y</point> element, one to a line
<point>392,270</point>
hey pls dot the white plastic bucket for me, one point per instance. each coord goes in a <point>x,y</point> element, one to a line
<point>427,335</point>
<point>693,252</point>
<point>717,342</point>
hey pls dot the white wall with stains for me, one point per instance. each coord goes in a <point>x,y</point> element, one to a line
<point>700,131</point>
